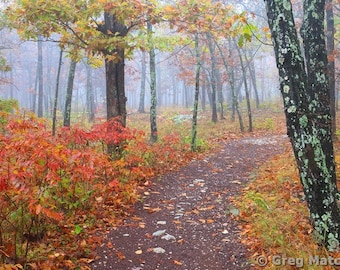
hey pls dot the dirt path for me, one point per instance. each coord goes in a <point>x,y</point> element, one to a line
<point>184,221</point>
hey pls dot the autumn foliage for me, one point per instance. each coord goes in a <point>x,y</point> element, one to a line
<point>48,183</point>
<point>274,217</point>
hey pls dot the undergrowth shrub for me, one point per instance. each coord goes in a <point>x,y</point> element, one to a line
<point>44,180</point>
<point>51,183</point>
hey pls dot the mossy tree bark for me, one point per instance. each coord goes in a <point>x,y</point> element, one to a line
<point>211,46</point>
<point>153,90</point>
<point>307,107</point>
<point>197,91</point>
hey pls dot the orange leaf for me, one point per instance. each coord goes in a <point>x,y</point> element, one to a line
<point>152,210</point>
<point>178,262</point>
<point>38,209</point>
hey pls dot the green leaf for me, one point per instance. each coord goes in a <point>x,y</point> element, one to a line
<point>78,230</point>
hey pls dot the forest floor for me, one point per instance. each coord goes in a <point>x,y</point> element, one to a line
<point>185,220</point>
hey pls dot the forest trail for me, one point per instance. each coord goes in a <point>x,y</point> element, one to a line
<point>185,219</point>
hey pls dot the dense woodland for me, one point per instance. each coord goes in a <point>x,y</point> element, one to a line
<point>97,97</point>
<point>175,67</point>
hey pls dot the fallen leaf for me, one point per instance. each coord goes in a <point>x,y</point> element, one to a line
<point>178,262</point>
<point>83,243</point>
<point>152,210</point>
<point>210,207</point>
<point>147,235</point>
<point>99,199</point>
<point>195,211</point>
<point>139,251</point>
<point>120,255</point>
<point>137,218</point>
<point>190,221</point>
<point>236,182</point>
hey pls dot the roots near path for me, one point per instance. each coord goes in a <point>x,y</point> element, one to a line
<point>185,219</point>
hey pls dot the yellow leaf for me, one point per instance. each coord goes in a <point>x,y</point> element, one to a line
<point>152,210</point>
<point>178,262</point>
<point>38,209</point>
<point>195,211</point>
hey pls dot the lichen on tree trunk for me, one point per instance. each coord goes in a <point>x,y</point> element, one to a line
<point>307,107</point>
<point>153,90</point>
<point>197,90</point>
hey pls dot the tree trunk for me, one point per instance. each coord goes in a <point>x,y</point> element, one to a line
<point>55,103</point>
<point>69,92</point>
<point>114,70</point>
<point>186,99</point>
<point>244,74</point>
<point>142,85</point>
<point>213,78</point>
<point>203,95</point>
<point>253,79</point>
<point>40,78</point>
<point>220,98</point>
<point>231,77</point>
<point>197,91</point>
<point>89,95</point>
<point>48,89</point>
<point>153,107</point>
<point>307,108</point>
